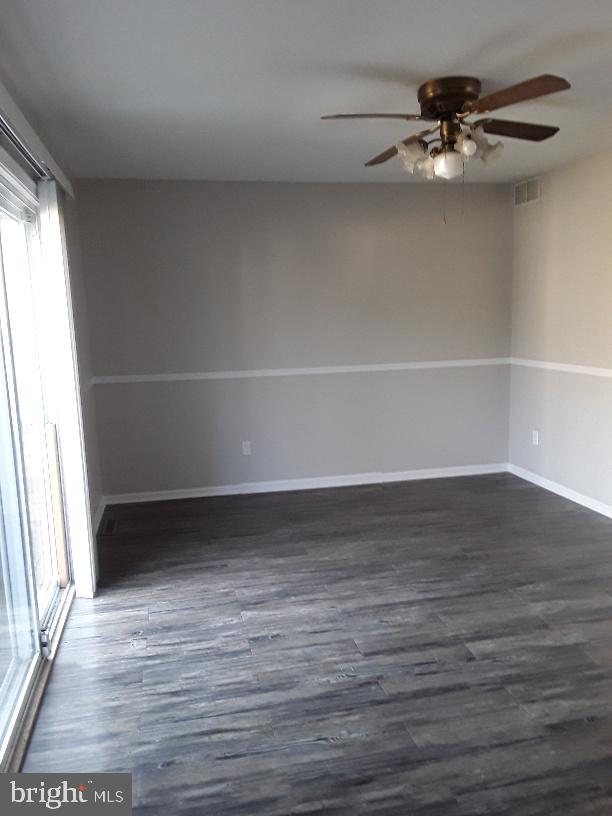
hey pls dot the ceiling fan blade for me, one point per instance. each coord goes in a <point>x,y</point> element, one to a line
<point>382,157</point>
<point>408,117</point>
<point>530,89</point>
<point>390,152</point>
<point>517,130</point>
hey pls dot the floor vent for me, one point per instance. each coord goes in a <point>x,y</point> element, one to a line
<point>525,192</point>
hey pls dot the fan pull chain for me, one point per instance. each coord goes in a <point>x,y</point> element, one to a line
<point>444,203</point>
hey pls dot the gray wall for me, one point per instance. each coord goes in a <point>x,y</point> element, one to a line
<point>187,277</point>
<point>562,314</point>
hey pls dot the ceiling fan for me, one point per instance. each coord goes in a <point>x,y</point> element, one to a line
<point>448,102</point>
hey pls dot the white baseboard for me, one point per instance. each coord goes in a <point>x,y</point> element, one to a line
<point>311,483</point>
<point>345,480</point>
<point>562,490</point>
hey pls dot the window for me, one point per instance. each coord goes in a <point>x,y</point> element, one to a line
<point>43,487</point>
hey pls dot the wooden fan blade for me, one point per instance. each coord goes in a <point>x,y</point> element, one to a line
<point>382,157</point>
<point>390,152</point>
<point>517,130</point>
<point>408,117</point>
<point>530,89</point>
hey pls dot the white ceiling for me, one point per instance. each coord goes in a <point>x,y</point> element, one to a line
<point>233,89</point>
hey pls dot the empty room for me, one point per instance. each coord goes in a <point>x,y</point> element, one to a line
<point>306,407</point>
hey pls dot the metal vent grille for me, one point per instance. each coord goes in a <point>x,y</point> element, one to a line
<point>525,192</point>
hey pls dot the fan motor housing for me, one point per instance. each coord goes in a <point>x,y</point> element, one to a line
<point>443,98</point>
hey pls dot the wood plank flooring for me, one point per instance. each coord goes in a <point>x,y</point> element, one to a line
<point>435,648</point>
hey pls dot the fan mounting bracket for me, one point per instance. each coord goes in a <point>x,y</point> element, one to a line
<point>444,98</point>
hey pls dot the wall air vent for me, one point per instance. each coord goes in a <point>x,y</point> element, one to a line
<point>525,192</point>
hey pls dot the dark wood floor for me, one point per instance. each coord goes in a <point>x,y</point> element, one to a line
<point>431,648</point>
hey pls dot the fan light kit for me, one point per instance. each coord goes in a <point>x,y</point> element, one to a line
<point>447,161</point>
<point>449,102</point>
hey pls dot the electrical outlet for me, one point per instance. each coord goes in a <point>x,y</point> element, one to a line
<point>535,438</point>
<point>246,447</point>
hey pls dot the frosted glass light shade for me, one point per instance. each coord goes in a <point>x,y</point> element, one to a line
<point>478,135</point>
<point>426,167</point>
<point>493,153</point>
<point>466,145</point>
<point>448,164</point>
<point>410,155</point>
